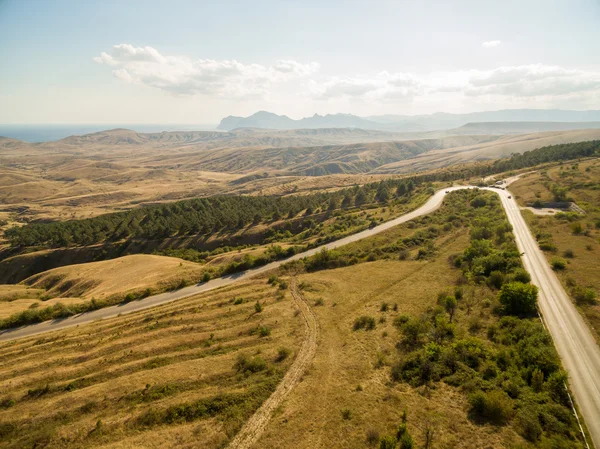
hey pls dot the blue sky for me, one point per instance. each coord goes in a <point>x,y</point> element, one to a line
<point>195,62</point>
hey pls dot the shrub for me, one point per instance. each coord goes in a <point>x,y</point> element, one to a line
<point>494,407</point>
<point>569,254</point>
<point>576,228</point>
<point>478,202</point>
<point>258,307</point>
<point>282,354</point>
<point>401,431</point>
<point>558,264</point>
<point>364,322</point>
<point>372,437</point>
<point>547,246</point>
<point>387,442</point>
<point>384,307</point>
<point>249,365</point>
<point>264,331</point>
<point>518,298</point>
<point>346,413</point>
<point>521,275</point>
<point>529,425</point>
<point>496,279</point>
<point>584,295</point>
<point>319,302</point>
<point>537,380</point>
<point>406,442</point>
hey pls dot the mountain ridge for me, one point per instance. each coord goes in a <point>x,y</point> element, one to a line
<point>406,123</point>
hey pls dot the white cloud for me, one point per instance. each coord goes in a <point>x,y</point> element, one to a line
<point>184,76</point>
<point>288,78</point>
<point>527,81</point>
<point>491,44</point>
<point>534,80</point>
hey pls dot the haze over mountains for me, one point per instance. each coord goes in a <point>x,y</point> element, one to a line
<point>562,119</point>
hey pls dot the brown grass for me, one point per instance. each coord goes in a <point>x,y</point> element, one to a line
<point>112,367</point>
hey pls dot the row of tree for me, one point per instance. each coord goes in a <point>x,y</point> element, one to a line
<point>214,214</point>
<point>201,216</point>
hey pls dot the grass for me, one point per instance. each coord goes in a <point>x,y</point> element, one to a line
<point>90,286</point>
<point>352,369</point>
<point>194,370</point>
<point>191,368</point>
<point>572,236</point>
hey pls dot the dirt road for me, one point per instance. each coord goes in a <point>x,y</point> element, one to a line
<point>256,425</point>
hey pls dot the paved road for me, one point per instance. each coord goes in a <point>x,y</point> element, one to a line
<point>573,340</point>
<point>572,337</point>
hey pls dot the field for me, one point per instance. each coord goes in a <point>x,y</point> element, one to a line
<point>83,176</point>
<point>173,376</point>
<point>571,238</point>
<point>120,383</point>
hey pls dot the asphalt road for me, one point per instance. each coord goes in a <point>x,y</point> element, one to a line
<point>573,340</point>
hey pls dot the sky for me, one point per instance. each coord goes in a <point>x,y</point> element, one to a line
<point>195,62</point>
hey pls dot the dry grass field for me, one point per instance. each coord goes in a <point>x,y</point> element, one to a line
<point>83,176</point>
<point>173,376</point>
<point>186,374</point>
<point>572,238</point>
<point>109,277</point>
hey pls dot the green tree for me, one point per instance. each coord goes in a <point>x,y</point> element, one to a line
<point>518,298</point>
<point>450,306</point>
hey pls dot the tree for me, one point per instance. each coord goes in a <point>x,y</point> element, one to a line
<point>382,194</point>
<point>518,298</point>
<point>450,306</point>
<point>537,380</point>
<point>361,197</point>
<point>401,189</point>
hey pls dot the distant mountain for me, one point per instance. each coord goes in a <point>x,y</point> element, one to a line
<point>264,119</point>
<point>521,127</point>
<point>405,123</point>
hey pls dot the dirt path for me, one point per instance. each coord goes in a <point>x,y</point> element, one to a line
<point>256,425</point>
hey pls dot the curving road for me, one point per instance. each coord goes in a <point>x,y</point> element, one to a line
<point>134,306</point>
<point>573,340</point>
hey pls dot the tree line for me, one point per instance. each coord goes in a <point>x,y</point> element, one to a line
<point>201,216</point>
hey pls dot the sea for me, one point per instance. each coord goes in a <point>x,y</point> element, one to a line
<point>46,133</point>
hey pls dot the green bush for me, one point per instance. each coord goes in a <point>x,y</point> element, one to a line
<point>518,298</point>
<point>558,264</point>
<point>528,425</point>
<point>406,442</point>
<point>521,275</point>
<point>282,354</point>
<point>364,322</point>
<point>494,407</point>
<point>387,442</point>
<point>250,365</point>
<point>584,296</point>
